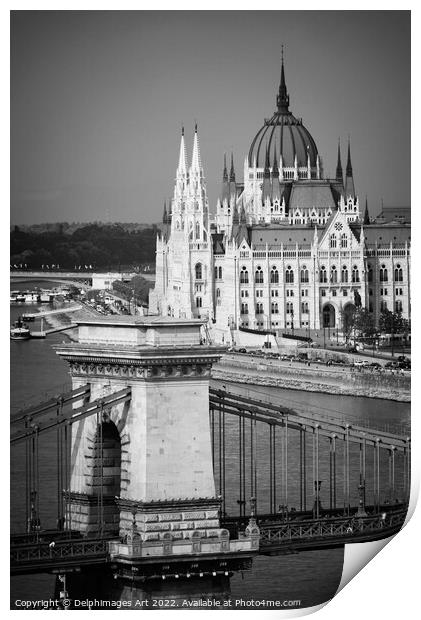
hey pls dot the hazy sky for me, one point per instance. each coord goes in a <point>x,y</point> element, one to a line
<point>98,99</point>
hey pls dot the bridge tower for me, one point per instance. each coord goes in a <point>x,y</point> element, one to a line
<point>141,471</point>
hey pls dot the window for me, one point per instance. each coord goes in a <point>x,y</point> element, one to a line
<point>289,275</point>
<point>218,292</point>
<point>244,276</point>
<point>274,293</point>
<point>304,292</point>
<point>198,302</point>
<point>274,276</point>
<point>304,307</point>
<point>259,292</point>
<point>323,292</point>
<point>334,293</point>
<point>355,274</point>
<point>216,272</point>
<point>323,275</point>
<point>290,292</point>
<point>398,305</point>
<point>197,230</point>
<point>274,308</point>
<point>304,275</point>
<point>383,306</point>
<point>244,309</point>
<point>259,308</point>
<point>198,271</point>
<point>398,274</point>
<point>398,291</point>
<point>333,275</point>
<point>383,291</point>
<point>344,240</point>
<point>258,276</point>
<point>244,293</point>
<point>333,241</point>
<point>344,274</point>
<point>289,308</point>
<point>370,274</point>
<point>345,292</point>
<point>383,273</point>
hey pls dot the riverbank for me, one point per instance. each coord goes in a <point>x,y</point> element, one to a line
<point>316,378</point>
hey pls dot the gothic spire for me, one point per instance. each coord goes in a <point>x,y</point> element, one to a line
<point>225,172</point>
<point>348,163</point>
<point>196,163</point>
<point>339,172</point>
<point>349,181</point>
<point>182,159</point>
<point>232,171</point>
<point>165,216</point>
<point>366,219</point>
<point>282,100</point>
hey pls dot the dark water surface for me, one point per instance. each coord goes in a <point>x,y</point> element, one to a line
<point>36,372</point>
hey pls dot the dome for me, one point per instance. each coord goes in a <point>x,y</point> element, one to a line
<point>283,134</point>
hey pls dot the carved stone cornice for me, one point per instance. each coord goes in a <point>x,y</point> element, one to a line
<point>162,369</point>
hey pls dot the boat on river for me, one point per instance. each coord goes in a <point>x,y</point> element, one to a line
<point>19,331</point>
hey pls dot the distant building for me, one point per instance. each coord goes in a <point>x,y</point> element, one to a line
<point>287,247</point>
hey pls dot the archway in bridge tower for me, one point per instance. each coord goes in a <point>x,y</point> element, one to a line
<point>106,476</point>
<point>348,316</point>
<point>328,316</point>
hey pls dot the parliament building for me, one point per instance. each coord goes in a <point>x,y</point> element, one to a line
<point>286,248</point>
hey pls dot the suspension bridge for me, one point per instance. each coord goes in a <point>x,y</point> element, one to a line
<point>154,476</point>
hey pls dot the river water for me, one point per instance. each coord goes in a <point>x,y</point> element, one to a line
<point>310,577</point>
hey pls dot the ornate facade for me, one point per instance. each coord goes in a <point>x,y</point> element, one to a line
<point>287,247</point>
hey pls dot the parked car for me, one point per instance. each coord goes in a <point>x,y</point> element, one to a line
<point>375,365</point>
<point>361,363</point>
<point>242,350</point>
<point>391,365</point>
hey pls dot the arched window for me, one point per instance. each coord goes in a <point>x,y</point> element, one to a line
<point>244,309</point>
<point>398,305</point>
<point>383,306</point>
<point>198,271</point>
<point>383,273</point>
<point>333,275</point>
<point>289,275</point>
<point>216,272</point>
<point>355,274</point>
<point>289,307</point>
<point>274,275</point>
<point>198,302</point>
<point>274,308</point>
<point>220,273</point>
<point>218,292</point>
<point>258,276</point>
<point>244,276</point>
<point>370,273</point>
<point>323,275</point>
<point>304,275</point>
<point>344,240</point>
<point>344,274</point>
<point>197,230</point>
<point>398,274</point>
<point>333,241</point>
<point>259,308</point>
<point>304,307</point>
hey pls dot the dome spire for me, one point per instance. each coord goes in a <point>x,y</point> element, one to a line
<point>282,100</point>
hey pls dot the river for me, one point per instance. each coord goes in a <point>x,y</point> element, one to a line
<point>37,372</point>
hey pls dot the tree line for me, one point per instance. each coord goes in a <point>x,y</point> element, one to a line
<point>100,245</point>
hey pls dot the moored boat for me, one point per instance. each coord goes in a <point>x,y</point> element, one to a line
<point>19,331</point>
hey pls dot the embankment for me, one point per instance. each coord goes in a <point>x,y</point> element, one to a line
<point>316,378</point>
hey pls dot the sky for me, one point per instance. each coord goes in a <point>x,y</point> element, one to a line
<point>98,99</point>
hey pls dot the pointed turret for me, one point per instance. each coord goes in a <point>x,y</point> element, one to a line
<point>349,181</point>
<point>339,172</point>
<point>182,159</point>
<point>232,185</point>
<point>196,164</point>
<point>366,219</point>
<point>282,100</point>
<point>225,189</point>
<point>165,216</point>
